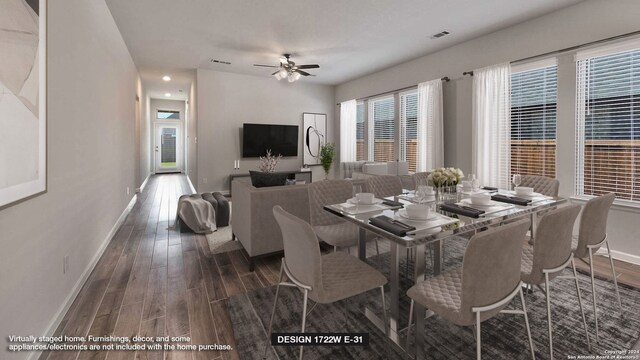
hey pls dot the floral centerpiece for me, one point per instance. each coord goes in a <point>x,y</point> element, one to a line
<point>268,163</point>
<point>446,177</point>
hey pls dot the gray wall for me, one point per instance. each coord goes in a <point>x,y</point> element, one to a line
<point>227,100</point>
<point>91,129</point>
<point>192,133</point>
<point>144,166</point>
<point>585,22</point>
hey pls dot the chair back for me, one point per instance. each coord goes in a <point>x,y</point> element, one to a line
<point>384,185</point>
<point>593,223</point>
<point>553,241</point>
<point>541,184</point>
<point>327,192</point>
<point>301,248</point>
<point>491,267</point>
<point>421,177</point>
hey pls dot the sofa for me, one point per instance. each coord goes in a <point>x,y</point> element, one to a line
<point>252,216</point>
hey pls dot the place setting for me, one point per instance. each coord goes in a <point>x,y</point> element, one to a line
<point>363,202</point>
<point>411,219</point>
<point>476,205</point>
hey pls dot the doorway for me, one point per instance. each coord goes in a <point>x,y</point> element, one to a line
<point>168,148</point>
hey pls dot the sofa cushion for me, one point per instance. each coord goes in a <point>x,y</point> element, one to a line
<point>262,179</point>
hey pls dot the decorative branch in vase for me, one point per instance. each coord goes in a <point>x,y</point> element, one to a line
<point>268,163</point>
<point>327,153</point>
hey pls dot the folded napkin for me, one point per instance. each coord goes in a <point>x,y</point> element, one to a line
<point>462,210</point>
<point>392,203</point>
<point>489,188</point>
<point>511,199</point>
<point>393,226</point>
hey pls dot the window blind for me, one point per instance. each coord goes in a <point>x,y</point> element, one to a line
<point>608,123</point>
<point>381,129</point>
<point>533,121</point>
<point>409,129</point>
<point>360,153</point>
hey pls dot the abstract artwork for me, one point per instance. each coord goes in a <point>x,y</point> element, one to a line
<point>22,99</point>
<point>314,136</point>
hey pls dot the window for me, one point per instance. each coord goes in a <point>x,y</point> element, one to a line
<point>168,114</point>
<point>360,153</point>
<point>381,116</point>
<point>533,120</point>
<point>409,129</point>
<point>608,121</point>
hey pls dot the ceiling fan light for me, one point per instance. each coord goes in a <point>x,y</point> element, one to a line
<point>296,75</point>
<point>283,73</point>
<point>291,78</point>
<point>277,75</point>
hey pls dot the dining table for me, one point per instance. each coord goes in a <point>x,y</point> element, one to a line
<point>441,226</point>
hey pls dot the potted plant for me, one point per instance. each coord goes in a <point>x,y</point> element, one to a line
<point>327,153</point>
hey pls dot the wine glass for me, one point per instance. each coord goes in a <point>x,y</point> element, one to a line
<point>475,183</point>
<point>517,180</point>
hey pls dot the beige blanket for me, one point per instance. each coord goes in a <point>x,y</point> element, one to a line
<point>198,214</point>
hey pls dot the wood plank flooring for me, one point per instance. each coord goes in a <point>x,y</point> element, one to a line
<point>152,280</point>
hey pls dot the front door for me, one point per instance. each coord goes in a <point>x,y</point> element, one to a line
<point>168,151</point>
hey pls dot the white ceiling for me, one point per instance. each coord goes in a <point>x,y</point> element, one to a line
<point>348,38</point>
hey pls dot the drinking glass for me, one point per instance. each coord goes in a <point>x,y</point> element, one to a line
<point>517,180</point>
<point>475,183</point>
<point>421,194</point>
<point>357,188</point>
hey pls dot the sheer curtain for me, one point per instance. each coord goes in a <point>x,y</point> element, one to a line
<point>491,124</point>
<point>348,111</point>
<point>430,152</point>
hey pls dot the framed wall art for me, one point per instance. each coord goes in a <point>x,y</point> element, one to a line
<point>23,139</point>
<point>314,128</point>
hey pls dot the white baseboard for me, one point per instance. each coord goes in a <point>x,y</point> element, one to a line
<point>57,319</point>
<point>619,255</point>
<point>144,183</point>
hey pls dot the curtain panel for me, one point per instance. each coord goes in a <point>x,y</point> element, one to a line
<point>430,143</point>
<point>348,111</point>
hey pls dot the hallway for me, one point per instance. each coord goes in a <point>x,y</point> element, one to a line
<point>154,281</point>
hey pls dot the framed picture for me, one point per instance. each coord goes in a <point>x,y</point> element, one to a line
<point>23,87</point>
<point>314,128</point>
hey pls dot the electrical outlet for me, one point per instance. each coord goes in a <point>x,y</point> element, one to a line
<point>65,264</point>
<point>204,180</point>
<point>128,191</point>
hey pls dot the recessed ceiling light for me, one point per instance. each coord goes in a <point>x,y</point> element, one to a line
<point>166,78</point>
<point>167,94</point>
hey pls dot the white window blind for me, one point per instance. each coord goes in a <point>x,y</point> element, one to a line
<point>608,123</point>
<point>360,153</point>
<point>409,128</point>
<point>381,129</point>
<point>533,121</point>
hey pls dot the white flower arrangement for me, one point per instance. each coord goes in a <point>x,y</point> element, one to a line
<point>446,177</point>
<point>268,163</point>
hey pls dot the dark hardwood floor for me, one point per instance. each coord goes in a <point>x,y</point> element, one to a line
<point>154,281</point>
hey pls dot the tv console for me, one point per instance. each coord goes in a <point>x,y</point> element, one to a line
<point>305,176</point>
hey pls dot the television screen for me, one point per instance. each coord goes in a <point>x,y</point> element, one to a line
<point>258,138</point>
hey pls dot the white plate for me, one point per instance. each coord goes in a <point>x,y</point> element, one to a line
<point>403,214</point>
<point>354,201</point>
<point>490,204</point>
<point>527,196</point>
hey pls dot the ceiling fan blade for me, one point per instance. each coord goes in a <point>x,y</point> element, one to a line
<point>303,73</point>
<point>311,66</point>
<point>276,72</point>
<point>270,66</point>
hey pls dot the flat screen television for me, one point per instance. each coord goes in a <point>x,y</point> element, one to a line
<point>258,138</point>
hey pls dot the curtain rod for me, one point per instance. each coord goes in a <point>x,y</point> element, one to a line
<point>446,79</point>
<point>576,47</point>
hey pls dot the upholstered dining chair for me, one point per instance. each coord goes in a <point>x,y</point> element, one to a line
<point>485,284</point>
<point>384,185</point>
<point>592,234</point>
<point>330,228</point>
<point>549,257</point>
<point>541,184</point>
<point>324,279</point>
<point>421,177</point>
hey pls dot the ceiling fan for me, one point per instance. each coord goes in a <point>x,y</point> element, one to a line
<point>289,70</point>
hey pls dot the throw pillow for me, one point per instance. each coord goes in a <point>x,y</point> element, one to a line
<point>262,179</point>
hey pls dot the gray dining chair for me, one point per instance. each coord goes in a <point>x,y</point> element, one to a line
<point>421,177</point>
<point>330,228</point>
<point>324,279</point>
<point>384,185</point>
<point>549,257</point>
<point>485,284</point>
<point>591,236</point>
<point>541,184</point>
